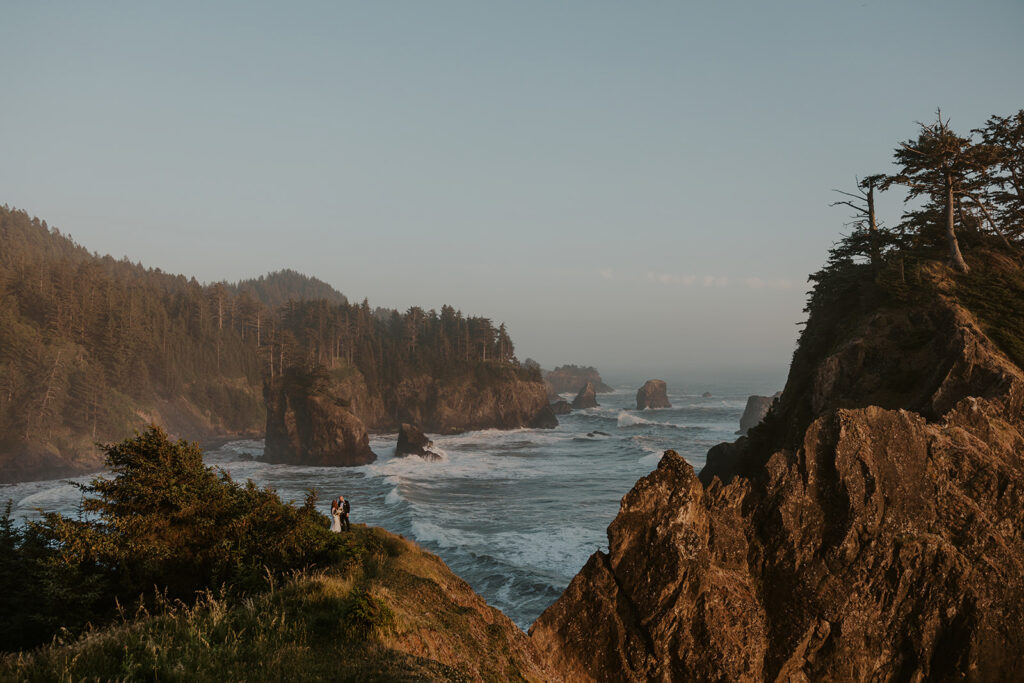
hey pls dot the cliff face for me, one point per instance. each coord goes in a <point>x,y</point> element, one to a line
<point>464,404</point>
<point>871,529</point>
<point>309,425</point>
<point>322,418</point>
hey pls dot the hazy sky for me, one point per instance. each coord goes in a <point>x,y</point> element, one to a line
<point>639,186</point>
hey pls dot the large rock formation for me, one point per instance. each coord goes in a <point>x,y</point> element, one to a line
<point>869,530</point>
<point>308,425</point>
<point>489,398</point>
<point>412,441</point>
<point>459,405</point>
<point>587,398</point>
<point>653,394</point>
<point>569,379</point>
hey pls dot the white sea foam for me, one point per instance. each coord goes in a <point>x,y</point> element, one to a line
<point>393,497</point>
<point>626,419</point>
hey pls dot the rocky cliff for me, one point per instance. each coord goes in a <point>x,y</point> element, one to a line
<point>870,529</point>
<point>309,424</point>
<point>323,417</point>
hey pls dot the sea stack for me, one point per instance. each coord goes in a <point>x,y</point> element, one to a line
<point>757,408</point>
<point>653,394</point>
<point>587,398</point>
<point>412,441</point>
<point>313,430</point>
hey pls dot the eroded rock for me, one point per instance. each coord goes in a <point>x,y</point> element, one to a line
<point>653,394</point>
<point>587,398</point>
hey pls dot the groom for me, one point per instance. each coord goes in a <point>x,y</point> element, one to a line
<point>345,507</point>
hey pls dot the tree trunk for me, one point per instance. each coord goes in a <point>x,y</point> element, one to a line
<point>954,246</point>
<point>873,226</point>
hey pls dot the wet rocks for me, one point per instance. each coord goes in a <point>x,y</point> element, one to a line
<point>653,394</point>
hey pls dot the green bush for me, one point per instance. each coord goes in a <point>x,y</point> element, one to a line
<point>164,524</point>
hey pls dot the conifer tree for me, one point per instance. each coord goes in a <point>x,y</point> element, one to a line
<point>943,167</point>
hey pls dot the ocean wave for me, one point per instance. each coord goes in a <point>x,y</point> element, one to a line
<point>549,550</point>
<point>627,419</point>
<point>394,497</point>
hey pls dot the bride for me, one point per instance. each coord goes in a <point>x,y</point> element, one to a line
<point>336,516</point>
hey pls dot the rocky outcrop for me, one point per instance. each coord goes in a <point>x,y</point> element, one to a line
<point>844,540</point>
<point>569,379</point>
<point>488,398</point>
<point>653,394</point>
<point>706,394</point>
<point>757,407</point>
<point>459,405</point>
<point>545,419</point>
<point>412,441</point>
<point>587,398</point>
<point>308,425</point>
<point>561,407</point>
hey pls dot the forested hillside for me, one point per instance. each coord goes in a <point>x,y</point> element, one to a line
<point>281,286</point>
<point>92,348</point>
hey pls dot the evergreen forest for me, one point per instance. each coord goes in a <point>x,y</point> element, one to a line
<point>93,348</point>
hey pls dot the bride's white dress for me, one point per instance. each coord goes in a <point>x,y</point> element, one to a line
<point>336,524</point>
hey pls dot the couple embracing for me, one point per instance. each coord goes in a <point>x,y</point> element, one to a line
<point>339,514</point>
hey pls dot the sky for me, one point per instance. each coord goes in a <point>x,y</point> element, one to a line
<point>642,187</point>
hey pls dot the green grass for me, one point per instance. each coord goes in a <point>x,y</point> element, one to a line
<point>387,611</point>
<point>994,292</point>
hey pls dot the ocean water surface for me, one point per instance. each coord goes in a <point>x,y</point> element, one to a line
<point>514,513</point>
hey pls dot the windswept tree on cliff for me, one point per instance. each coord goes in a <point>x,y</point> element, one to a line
<point>1005,136</point>
<point>945,168</point>
<point>868,236</point>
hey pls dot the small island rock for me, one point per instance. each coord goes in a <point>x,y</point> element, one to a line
<point>706,394</point>
<point>653,394</point>
<point>757,408</point>
<point>412,441</point>
<point>587,398</point>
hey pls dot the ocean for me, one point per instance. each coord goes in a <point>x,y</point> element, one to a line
<point>514,513</point>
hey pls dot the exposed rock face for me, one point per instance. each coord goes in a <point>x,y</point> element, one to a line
<point>307,425</point>
<point>587,398</point>
<point>653,394</point>
<point>412,441</point>
<point>561,407</point>
<point>500,400</point>
<point>757,407</point>
<point>842,541</point>
<point>568,379</point>
<point>706,394</point>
